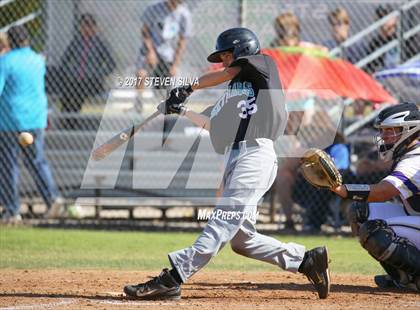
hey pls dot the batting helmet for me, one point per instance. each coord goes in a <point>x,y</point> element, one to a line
<point>240,41</point>
<point>405,116</point>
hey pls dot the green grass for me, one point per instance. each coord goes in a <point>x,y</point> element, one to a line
<point>33,248</point>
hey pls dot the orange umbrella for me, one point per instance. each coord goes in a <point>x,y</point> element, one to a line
<point>307,71</point>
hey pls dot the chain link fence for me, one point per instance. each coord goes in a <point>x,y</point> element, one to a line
<point>96,51</point>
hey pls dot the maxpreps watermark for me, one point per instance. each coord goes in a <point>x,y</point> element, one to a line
<point>155,81</point>
<point>205,215</point>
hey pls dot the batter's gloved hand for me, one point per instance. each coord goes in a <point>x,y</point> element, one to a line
<point>319,169</point>
<point>181,92</point>
<point>175,102</point>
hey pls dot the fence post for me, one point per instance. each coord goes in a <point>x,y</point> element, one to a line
<point>400,36</point>
<point>242,13</point>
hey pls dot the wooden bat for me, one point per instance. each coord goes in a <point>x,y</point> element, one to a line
<point>108,147</point>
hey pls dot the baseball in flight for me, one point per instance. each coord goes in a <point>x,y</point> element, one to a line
<point>26,138</point>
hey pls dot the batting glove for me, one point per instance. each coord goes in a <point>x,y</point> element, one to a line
<point>166,108</point>
<point>181,93</point>
<point>175,103</point>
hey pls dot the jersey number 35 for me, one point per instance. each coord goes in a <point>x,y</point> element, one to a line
<point>248,107</point>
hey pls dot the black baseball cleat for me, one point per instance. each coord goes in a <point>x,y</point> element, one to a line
<point>385,281</point>
<point>315,267</point>
<point>162,287</point>
<point>417,283</point>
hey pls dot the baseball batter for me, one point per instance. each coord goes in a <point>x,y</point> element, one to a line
<point>390,232</point>
<point>242,124</point>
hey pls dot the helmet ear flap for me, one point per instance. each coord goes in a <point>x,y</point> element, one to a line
<point>246,48</point>
<point>240,50</point>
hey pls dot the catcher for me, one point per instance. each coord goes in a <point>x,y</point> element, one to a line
<point>388,231</point>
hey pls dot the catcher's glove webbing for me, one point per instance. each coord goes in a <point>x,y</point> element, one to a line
<point>319,169</point>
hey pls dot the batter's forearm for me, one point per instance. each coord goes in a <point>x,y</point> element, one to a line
<point>198,119</point>
<point>216,77</point>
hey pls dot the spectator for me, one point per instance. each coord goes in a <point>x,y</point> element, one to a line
<point>166,26</point>
<point>285,180</point>
<point>340,26</point>
<point>287,28</point>
<point>23,105</point>
<point>4,43</point>
<point>299,117</point>
<point>84,66</point>
<point>317,132</point>
<point>387,33</point>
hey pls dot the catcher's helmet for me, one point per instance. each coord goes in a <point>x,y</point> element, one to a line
<point>404,117</point>
<point>240,41</point>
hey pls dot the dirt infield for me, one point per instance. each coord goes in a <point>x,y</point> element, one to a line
<point>56,289</point>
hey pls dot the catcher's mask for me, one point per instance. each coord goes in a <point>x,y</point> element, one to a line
<point>398,126</point>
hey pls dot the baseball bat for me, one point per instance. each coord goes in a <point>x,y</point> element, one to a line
<point>109,146</point>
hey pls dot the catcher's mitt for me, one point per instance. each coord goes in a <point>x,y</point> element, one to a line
<point>319,169</point>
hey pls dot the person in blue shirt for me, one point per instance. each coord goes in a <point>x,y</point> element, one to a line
<point>340,153</point>
<point>23,108</point>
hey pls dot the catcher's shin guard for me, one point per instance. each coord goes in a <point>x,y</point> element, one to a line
<point>357,214</point>
<point>391,279</point>
<point>385,246</point>
<point>394,273</point>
